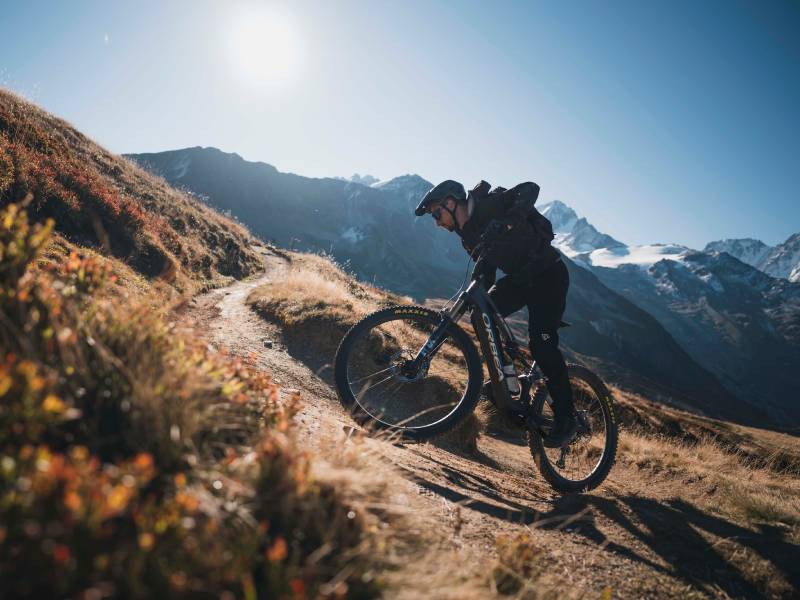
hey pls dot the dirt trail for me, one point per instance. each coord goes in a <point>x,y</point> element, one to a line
<point>627,535</point>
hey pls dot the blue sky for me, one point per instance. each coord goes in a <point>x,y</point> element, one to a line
<point>659,121</point>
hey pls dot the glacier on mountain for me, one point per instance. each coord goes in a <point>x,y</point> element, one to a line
<point>582,242</point>
<point>641,256</point>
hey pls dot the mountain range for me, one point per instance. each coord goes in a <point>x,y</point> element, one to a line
<point>781,261</point>
<point>704,330</point>
<point>733,319</point>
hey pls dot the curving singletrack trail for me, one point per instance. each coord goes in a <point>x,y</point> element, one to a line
<point>634,537</point>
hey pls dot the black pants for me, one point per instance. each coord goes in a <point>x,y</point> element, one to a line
<point>546,298</point>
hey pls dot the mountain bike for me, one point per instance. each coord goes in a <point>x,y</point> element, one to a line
<point>415,372</point>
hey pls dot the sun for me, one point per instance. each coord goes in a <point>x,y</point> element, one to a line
<point>265,49</point>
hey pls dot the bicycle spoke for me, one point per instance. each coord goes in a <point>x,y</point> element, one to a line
<point>395,388</point>
<point>371,375</point>
<point>579,460</point>
<point>369,387</point>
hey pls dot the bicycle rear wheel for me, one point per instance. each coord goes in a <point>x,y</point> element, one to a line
<point>374,383</point>
<point>584,463</point>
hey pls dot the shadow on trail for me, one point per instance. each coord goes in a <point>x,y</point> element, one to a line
<point>671,530</point>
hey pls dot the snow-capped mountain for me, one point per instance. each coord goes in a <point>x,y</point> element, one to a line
<point>736,321</point>
<point>575,235</point>
<point>721,306</point>
<point>781,261</point>
<point>784,260</point>
<point>749,251</point>
<point>581,241</point>
<point>562,217</point>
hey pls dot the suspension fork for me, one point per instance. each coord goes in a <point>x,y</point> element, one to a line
<point>436,339</point>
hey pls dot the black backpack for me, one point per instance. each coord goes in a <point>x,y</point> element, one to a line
<point>525,194</point>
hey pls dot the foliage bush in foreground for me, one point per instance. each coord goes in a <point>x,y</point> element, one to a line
<point>134,463</point>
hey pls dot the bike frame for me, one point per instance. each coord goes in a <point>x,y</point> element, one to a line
<point>498,345</point>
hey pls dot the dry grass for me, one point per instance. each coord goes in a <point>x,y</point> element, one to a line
<point>103,201</point>
<point>752,447</point>
<point>696,495</point>
<point>723,481</point>
<point>317,283</point>
<point>316,303</point>
<point>521,570</point>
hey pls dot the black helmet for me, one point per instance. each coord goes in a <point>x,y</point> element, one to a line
<point>439,193</point>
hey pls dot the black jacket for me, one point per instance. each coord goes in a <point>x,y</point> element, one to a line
<point>521,251</point>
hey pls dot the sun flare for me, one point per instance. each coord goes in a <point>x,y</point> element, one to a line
<point>265,49</point>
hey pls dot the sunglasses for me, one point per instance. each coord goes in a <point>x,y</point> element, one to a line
<point>436,213</point>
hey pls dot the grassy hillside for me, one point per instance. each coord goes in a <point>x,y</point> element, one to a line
<point>135,461</point>
<point>105,202</point>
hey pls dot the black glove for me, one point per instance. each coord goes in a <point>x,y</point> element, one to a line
<point>494,230</point>
<point>489,272</point>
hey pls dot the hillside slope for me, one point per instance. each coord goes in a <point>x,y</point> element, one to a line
<point>103,201</point>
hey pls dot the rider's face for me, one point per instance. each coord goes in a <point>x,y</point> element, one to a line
<point>443,217</point>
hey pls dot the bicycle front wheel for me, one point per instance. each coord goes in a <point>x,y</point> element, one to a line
<point>375,384</point>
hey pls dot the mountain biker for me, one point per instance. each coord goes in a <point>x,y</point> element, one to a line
<point>536,276</point>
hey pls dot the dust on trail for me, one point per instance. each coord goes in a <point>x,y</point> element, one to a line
<point>456,505</point>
